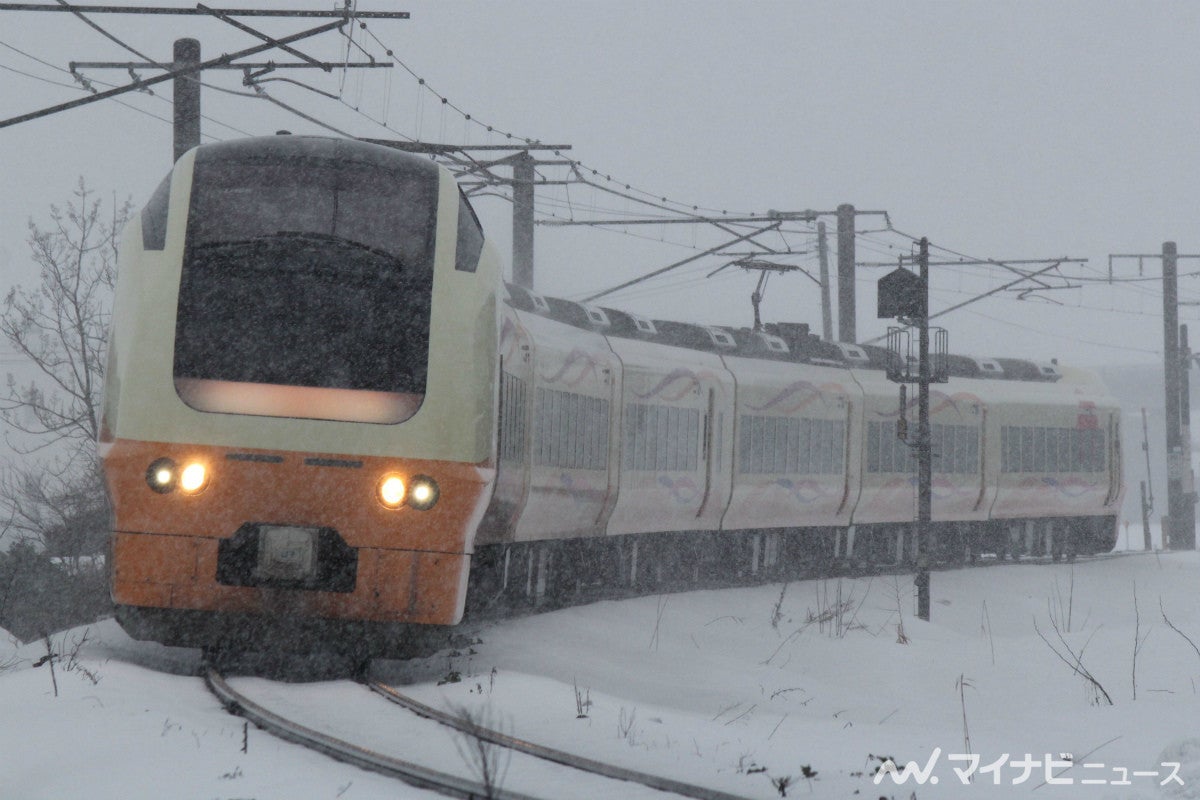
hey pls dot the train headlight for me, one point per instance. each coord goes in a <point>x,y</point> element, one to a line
<point>162,475</point>
<point>423,493</point>
<point>193,478</point>
<point>391,491</point>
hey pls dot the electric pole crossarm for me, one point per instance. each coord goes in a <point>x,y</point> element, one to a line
<point>78,65</point>
<point>166,76</point>
<point>259,35</point>
<point>981,262</point>
<point>802,216</point>
<point>196,12</point>
<point>441,149</point>
<point>997,290</point>
<point>974,299</point>
<point>677,264</point>
<point>509,182</point>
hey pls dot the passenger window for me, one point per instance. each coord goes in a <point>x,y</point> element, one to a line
<point>470,237</point>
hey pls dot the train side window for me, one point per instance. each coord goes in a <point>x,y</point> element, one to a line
<point>874,429</point>
<point>512,415</point>
<point>886,450</point>
<point>154,217</point>
<point>1026,449</point>
<point>824,430</point>
<point>792,456</point>
<point>692,455</point>
<point>470,237</point>
<point>950,436</point>
<point>1039,449</point>
<point>837,443</point>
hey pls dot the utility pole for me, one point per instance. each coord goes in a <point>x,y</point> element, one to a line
<point>826,310</point>
<point>1188,522</point>
<point>1180,528</point>
<point>924,449</point>
<point>522,219</point>
<point>1147,486</point>
<point>1171,379</point>
<point>905,297</point>
<point>1179,524</point>
<point>847,328</point>
<point>186,88</point>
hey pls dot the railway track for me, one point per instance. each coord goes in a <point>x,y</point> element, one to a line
<point>620,782</point>
<point>581,777</point>
<point>547,753</point>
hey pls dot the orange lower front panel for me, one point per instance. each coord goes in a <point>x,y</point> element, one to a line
<point>294,488</point>
<point>179,572</point>
<point>172,550</point>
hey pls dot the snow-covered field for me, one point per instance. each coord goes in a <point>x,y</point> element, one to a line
<point>735,689</point>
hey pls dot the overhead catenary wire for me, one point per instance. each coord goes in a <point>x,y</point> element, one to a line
<point>602,180</point>
<point>446,103</point>
<point>83,87</point>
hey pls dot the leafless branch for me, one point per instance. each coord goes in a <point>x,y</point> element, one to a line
<point>1076,660</point>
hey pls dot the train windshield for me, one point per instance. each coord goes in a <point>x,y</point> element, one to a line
<point>314,273</point>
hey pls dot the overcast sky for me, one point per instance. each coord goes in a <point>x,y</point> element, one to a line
<point>998,130</point>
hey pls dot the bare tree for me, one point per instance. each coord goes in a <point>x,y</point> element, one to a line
<point>59,326</point>
<point>487,760</point>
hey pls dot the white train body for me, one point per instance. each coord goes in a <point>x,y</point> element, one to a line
<point>632,432</point>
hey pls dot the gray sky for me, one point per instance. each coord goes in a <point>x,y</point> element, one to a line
<point>998,130</point>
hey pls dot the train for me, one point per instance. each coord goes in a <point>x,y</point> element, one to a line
<point>327,417</point>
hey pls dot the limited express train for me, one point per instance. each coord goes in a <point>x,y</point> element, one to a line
<point>326,413</point>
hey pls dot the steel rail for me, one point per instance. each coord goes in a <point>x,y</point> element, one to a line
<point>547,753</point>
<point>413,774</point>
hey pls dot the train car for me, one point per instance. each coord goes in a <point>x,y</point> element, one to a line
<point>327,419</point>
<point>1055,463</point>
<point>299,405</point>
<point>798,444</point>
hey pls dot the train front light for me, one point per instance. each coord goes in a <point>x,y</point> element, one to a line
<point>391,491</point>
<point>193,478</point>
<point>423,493</point>
<point>162,475</point>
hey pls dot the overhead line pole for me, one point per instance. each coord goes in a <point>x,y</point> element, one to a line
<point>847,321</point>
<point>1179,526</point>
<point>523,177</point>
<point>186,127</point>
<point>826,309</point>
<point>166,76</point>
<point>924,445</point>
<point>1181,514</point>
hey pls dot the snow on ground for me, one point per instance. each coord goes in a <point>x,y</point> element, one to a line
<point>733,689</point>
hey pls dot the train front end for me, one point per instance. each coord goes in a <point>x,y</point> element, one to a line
<point>299,402</point>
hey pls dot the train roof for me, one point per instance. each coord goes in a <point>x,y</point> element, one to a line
<point>289,146</point>
<point>779,341</point>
